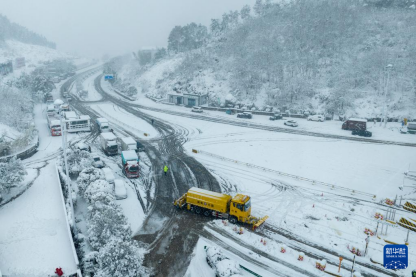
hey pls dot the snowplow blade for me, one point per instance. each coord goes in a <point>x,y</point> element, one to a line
<point>260,222</point>
<point>180,202</point>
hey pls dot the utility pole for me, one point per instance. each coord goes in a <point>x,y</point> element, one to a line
<point>68,181</point>
<point>388,67</point>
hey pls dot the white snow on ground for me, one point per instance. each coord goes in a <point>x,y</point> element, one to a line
<point>33,235</point>
<point>10,132</point>
<point>131,208</point>
<point>314,213</point>
<point>126,120</point>
<point>34,55</point>
<point>199,266</point>
<point>88,84</point>
<point>157,72</point>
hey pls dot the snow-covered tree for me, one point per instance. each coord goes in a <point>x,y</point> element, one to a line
<point>86,177</point>
<point>77,160</point>
<point>160,53</point>
<point>120,259</point>
<point>258,7</point>
<point>11,174</point>
<point>245,12</point>
<point>106,222</point>
<point>99,189</point>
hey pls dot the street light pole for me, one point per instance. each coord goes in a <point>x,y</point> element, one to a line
<point>68,181</point>
<point>388,67</point>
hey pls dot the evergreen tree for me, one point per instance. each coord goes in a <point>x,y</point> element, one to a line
<point>245,12</point>
<point>11,174</point>
<point>120,259</point>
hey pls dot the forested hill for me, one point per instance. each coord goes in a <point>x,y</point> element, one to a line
<point>13,31</point>
<point>331,55</point>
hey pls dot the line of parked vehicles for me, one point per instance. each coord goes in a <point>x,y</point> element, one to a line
<point>58,110</point>
<point>110,144</point>
<point>356,125</point>
<point>120,191</point>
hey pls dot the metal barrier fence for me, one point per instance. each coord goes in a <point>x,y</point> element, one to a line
<point>74,252</point>
<point>29,152</point>
<point>314,182</point>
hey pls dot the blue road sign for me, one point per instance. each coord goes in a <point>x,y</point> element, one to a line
<point>396,256</point>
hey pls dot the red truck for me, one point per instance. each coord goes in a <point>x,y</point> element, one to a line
<point>355,124</point>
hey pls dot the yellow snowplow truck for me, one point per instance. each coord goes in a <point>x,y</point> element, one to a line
<point>237,208</point>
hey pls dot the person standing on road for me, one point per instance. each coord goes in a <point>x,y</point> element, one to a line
<point>165,169</point>
<point>152,121</point>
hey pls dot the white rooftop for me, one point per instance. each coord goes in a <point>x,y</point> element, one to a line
<point>70,115</point>
<point>58,102</point>
<point>128,140</point>
<point>129,155</point>
<point>108,136</point>
<point>102,119</point>
<point>358,119</point>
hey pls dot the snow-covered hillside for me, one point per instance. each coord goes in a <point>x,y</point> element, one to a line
<point>34,55</point>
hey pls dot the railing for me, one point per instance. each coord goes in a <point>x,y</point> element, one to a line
<point>74,252</point>
<point>23,154</point>
<point>314,182</point>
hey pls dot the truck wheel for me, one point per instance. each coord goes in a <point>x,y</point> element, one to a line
<point>207,213</point>
<point>232,220</point>
<point>198,210</point>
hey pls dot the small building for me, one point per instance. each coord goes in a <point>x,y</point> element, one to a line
<point>188,99</point>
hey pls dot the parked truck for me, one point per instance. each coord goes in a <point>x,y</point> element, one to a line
<point>54,123</point>
<point>130,163</point>
<point>109,144</point>
<point>209,203</point>
<point>128,143</point>
<point>103,124</point>
<point>355,124</point>
<point>411,127</point>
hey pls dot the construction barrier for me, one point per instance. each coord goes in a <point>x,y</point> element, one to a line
<point>409,206</point>
<point>313,182</point>
<point>407,224</point>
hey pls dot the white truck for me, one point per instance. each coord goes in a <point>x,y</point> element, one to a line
<point>103,124</point>
<point>54,122</point>
<point>128,143</point>
<point>109,143</point>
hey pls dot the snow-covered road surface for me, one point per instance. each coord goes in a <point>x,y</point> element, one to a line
<point>34,238</point>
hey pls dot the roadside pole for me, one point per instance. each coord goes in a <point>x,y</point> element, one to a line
<point>367,240</point>
<point>68,180</point>
<point>340,261</point>
<point>352,268</point>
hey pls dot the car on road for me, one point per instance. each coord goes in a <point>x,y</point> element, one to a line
<point>120,189</point>
<point>97,162</point>
<point>361,133</point>
<point>82,146</point>
<point>197,109</point>
<point>139,147</point>
<point>245,115</point>
<point>316,117</point>
<point>292,123</point>
<point>276,116</point>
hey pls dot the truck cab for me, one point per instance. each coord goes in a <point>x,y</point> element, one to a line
<point>130,163</point>
<point>240,207</point>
